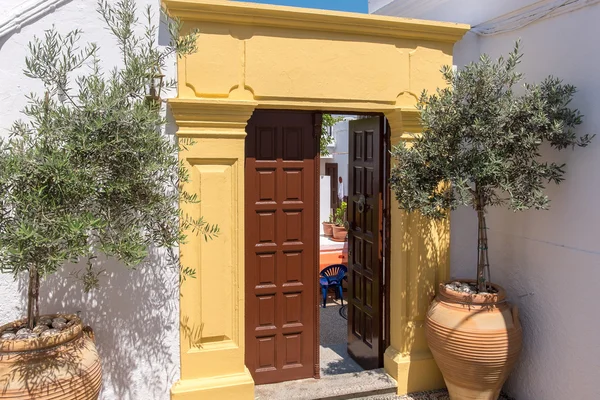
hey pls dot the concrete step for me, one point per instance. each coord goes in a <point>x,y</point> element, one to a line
<point>334,387</point>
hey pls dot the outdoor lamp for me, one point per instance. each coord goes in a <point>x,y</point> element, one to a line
<point>155,87</point>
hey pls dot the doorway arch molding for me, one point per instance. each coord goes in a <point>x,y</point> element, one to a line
<point>254,56</point>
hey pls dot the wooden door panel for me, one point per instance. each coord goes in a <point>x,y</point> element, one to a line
<point>365,308</point>
<point>281,251</point>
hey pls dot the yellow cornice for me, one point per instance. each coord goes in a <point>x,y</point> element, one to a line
<point>211,118</point>
<point>239,13</point>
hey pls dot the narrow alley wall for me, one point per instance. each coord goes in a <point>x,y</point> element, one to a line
<point>135,313</point>
<point>549,261</point>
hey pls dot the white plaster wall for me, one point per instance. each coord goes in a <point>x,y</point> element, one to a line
<point>135,313</point>
<point>471,12</point>
<point>549,261</point>
<point>340,154</point>
<point>324,200</point>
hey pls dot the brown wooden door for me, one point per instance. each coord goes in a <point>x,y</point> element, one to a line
<point>331,170</point>
<point>365,258</point>
<point>281,246</point>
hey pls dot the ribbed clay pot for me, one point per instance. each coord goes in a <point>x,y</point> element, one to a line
<point>339,232</point>
<point>60,367</point>
<point>475,340</point>
<point>327,228</point>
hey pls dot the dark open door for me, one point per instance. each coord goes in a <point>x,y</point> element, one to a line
<point>281,246</point>
<point>365,258</point>
<point>331,170</point>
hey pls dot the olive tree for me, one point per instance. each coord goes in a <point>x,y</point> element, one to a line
<point>89,170</point>
<point>481,145</point>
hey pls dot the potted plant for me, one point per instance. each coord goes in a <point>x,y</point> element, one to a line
<point>88,172</point>
<point>339,229</point>
<point>328,226</point>
<point>480,147</point>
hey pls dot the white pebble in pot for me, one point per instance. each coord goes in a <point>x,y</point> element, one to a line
<point>49,332</point>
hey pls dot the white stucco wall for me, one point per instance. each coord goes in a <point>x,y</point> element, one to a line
<point>135,313</point>
<point>324,200</point>
<point>339,153</point>
<point>549,261</point>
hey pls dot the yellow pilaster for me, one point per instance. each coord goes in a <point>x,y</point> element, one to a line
<point>419,261</point>
<point>211,135</point>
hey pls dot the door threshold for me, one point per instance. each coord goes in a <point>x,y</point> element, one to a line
<point>332,387</point>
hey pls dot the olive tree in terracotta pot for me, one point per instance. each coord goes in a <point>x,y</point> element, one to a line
<point>481,147</point>
<point>87,172</point>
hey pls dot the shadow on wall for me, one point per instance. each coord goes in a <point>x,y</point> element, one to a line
<point>134,315</point>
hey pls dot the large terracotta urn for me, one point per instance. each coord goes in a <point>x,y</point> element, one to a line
<point>59,367</point>
<point>475,340</point>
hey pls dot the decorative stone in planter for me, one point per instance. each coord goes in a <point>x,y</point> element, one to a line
<point>57,364</point>
<point>475,339</point>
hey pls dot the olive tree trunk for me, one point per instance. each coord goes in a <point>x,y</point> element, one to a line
<point>483,264</point>
<point>33,296</point>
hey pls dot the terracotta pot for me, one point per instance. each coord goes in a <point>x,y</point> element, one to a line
<point>339,232</point>
<point>61,367</point>
<point>475,340</point>
<point>327,228</point>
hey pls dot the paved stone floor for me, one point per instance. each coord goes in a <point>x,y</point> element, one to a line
<point>335,359</point>
<point>434,395</point>
<point>333,325</point>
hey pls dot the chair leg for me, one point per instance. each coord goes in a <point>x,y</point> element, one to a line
<point>341,294</point>
<point>324,291</point>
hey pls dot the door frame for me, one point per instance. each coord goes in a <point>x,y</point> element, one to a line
<point>385,225</point>
<point>398,59</point>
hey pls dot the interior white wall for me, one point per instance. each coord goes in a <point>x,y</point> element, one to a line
<point>135,313</point>
<point>324,200</point>
<point>340,155</point>
<point>549,261</point>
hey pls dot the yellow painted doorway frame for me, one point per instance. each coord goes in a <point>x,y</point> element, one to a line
<point>254,56</point>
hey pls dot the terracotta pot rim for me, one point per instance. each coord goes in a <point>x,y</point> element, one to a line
<point>452,296</point>
<point>327,223</point>
<point>41,343</point>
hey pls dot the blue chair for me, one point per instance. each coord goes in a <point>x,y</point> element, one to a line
<point>332,277</point>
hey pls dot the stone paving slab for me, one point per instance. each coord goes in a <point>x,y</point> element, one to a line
<point>335,360</point>
<point>333,387</point>
<point>432,395</point>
